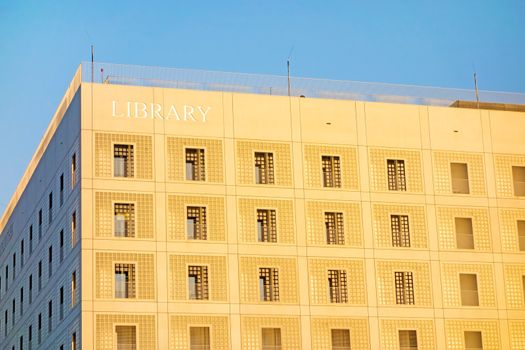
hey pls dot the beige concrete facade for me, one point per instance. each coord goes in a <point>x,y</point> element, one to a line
<point>386,226</point>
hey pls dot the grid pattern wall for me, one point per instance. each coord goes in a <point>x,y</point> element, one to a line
<point>143,154</point>
<point>249,278</point>
<point>251,331</point>
<point>508,219</point>
<point>104,213</point>
<point>315,222</point>
<point>313,177</point>
<point>517,335</point>
<point>214,162</point>
<point>105,271</point>
<point>180,334</point>
<point>455,330</point>
<point>319,287</point>
<point>177,212</point>
<point>442,172</point>
<point>247,219</point>
<point>451,288</point>
<point>514,285</point>
<point>386,288</point>
<point>447,230</point>
<point>416,222</point>
<point>217,276</point>
<point>322,326</point>
<point>378,168</point>
<point>246,161</point>
<point>503,166</point>
<point>106,336</point>
<point>389,330</point>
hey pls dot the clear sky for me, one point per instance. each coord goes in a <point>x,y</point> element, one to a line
<point>420,42</point>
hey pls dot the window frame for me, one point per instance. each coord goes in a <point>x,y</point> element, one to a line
<point>205,286</point>
<point>336,180</point>
<point>125,324</point>
<point>397,177</point>
<point>134,215</point>
<point>203,217</point>
<point>134,157</point>
<point>453,188</point>
<point>202,168</point>
<point>271,218</point>
<point>135,281</point>
<point>269,170</point>
<point>404,237</point>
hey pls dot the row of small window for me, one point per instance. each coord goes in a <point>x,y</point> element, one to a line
<point>39,340</point>
<point>198,285</point>
<point>50,309</point>
<point>196,227</point>
<point>264,170</point>
<point>74,239</point>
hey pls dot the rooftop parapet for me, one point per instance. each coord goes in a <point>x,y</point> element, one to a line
<point>191,79</point>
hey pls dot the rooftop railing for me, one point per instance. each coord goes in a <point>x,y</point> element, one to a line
<point>121,74</point>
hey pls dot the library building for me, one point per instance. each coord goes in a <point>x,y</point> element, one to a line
<point>192,210</point>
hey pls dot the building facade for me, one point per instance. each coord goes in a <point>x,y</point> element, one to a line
<point>157,217</point>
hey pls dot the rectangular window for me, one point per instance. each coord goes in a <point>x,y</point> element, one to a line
<point>21,301</point>
<point>271,339</point>
<point>459,175</point>
<point>30,239</point>
<point>123,159</point>
<point>340,339</point>
<point>13,313</point>
<point>30,289</point>
<point>61,185</point>
<point>396,175</point>
<point>74,341</point>
<point>464,233</point>
<point>124,281</point>
<point>39,328</point>
<point>124,219</point>
<point>126,337</point>
<point>264,171</point>
<point>50,316</point>
<point>521,235</point>
<point>518,179</point>
<point>30,336</point>
<point>74,236</point>
<point>61,300</point>
<point>195,166</point>
<point>40,220</point>
<point>407,339</point>
<point>337,289</point>
<point>331,171</point>
<point>14,266</point>
<point>334,226</point>
<point>6,278</point>
<point>404,282</point>
<point>196,227</point>
<point>22,253</point>
<point>50,208</point>
<point>73,289</point>
<point>400,229</point>
<point>50,261</point>
<point>468,283</point>
<point>73,170</point>
<point>473,340</point>
<point>198,282</point>
<point>40,275</point>
<point>200,338</point>
<point>268,284</point>
<point>266,225</point>
<point>61,245</point>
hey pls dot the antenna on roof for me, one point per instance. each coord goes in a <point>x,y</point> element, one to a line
<point>92,64</point>
<point>476,85</point>
<point>288,68</point>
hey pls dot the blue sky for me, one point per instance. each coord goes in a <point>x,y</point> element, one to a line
<point>418,42</point>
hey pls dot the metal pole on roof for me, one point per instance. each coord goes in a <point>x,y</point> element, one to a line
<point>476,88</point>
<point>92,64</point>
